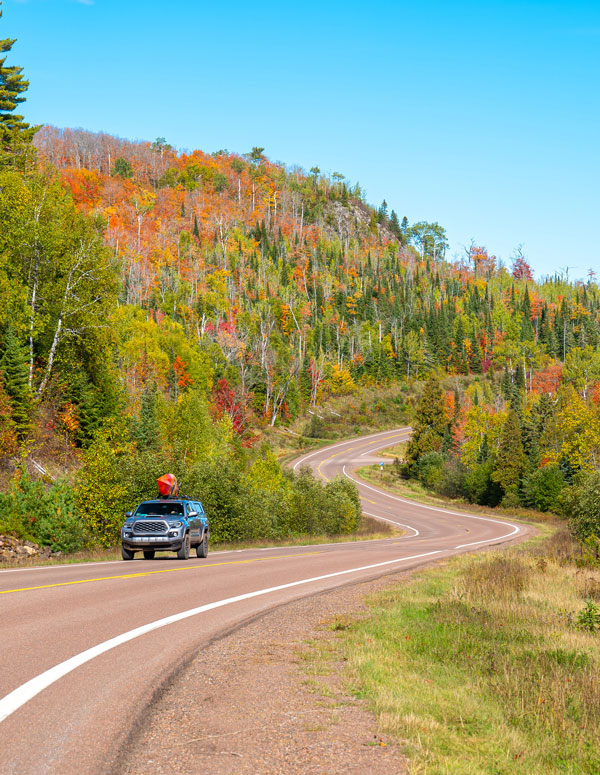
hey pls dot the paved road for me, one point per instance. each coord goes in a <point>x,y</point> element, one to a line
<point>85,647</point>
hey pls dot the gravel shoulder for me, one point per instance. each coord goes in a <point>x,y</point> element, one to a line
<point>255,702</point>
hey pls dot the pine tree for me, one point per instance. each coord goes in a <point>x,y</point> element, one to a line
<point>430,424</point>
<point>15,134</point>
<point>395,226</point>
<point>15,368</point>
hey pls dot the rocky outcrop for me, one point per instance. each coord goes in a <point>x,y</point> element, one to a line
<point>353,220</point>
<point>15,550</point>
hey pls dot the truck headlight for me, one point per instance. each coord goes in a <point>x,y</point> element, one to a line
<point>175,524</point>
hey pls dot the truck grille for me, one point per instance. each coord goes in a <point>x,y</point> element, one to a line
<point>150,527</point>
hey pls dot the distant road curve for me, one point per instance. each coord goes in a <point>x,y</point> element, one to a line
<point>85,647</point>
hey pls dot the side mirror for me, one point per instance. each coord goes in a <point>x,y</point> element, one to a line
<point>193,514</point>
<point>128,514</point>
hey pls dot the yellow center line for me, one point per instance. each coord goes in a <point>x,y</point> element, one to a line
<point>396,436</point>
<point>348,449</point>
<point>154,572</point>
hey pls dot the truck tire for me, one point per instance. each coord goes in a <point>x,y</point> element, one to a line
<point>148,554</point>
<point>126,553</point>
<point>202,548</point>
<point>184,552</point>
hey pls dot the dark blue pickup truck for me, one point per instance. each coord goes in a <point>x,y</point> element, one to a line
<point>166,525</point>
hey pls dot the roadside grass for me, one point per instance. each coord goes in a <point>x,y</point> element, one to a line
<point>481,666</point>
<point>370,529</point>
<point>370,410</point>
<point>397,451</point>
<point>412,489</point>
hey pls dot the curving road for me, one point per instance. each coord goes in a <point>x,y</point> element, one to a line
<point>84,648</point>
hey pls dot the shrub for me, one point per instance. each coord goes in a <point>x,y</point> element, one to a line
<point>543,488</point>
<point>60,526</point>
<point>102,491</point>
<point>583,507</point>
<point>480,487</point>
<point>315,428</point>
<point>428,469</point>
<point>589,617</point>
<point>342,507</point>
<point>44,514</point>
<point>452,479</point>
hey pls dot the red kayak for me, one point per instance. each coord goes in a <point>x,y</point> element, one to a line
<point>167,485</point>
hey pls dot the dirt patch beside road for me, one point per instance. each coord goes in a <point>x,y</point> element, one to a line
<point>252,704</point>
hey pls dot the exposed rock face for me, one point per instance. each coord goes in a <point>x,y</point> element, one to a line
<point>353,220</point>
<point>16,550</point>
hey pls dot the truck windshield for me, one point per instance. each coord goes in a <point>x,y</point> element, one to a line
<point>159,509</point>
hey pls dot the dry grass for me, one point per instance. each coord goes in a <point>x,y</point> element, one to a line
<point>479,667</point>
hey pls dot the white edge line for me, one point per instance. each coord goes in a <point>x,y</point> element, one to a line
<point>393,522</point>
<point>349,441</point>
<point>27,691</point>
<point>514,531</point>
<point>370,451</point>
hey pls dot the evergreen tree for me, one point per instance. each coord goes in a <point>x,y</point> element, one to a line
<point>15,369</point>
<point>15,134</point>
<point>429,429</point>
<point>510,459</point>
<point>122,169</point>
<point>395,226</point>
<point>146,430</point>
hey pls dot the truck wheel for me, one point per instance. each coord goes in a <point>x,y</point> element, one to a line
<point>148,554</point>
<point>126,553</point>
<point>202,548</point>
<point>184,552</point>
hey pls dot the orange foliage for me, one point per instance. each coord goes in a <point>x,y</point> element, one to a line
<point>547,380</point>
<point>180,369</point>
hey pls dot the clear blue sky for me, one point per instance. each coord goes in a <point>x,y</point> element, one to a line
<point>483,116</point>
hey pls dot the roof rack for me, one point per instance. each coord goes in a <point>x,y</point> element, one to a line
<point>176,498</point>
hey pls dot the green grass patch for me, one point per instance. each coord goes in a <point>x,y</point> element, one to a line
<point>480,667</point>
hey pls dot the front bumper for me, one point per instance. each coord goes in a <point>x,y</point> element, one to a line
<point>152,542</point>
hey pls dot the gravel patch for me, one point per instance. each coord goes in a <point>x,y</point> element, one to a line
<point>253,703</point>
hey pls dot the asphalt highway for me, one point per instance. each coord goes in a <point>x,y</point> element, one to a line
<point>85,648</point>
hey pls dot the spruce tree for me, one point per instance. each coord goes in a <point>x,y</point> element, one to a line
<point>147,429</point>
<point>15,369</point>
<point>430,424</point>
<point>510,459</point>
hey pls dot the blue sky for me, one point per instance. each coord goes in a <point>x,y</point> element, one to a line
<point>482,116</point>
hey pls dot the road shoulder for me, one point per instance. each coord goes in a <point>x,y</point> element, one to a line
<point>252,702</point>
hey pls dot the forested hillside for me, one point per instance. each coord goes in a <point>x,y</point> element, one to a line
<point>162,308</point>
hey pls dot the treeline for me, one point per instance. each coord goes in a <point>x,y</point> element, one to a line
<point>293,286</point>
<point>495,441</point>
